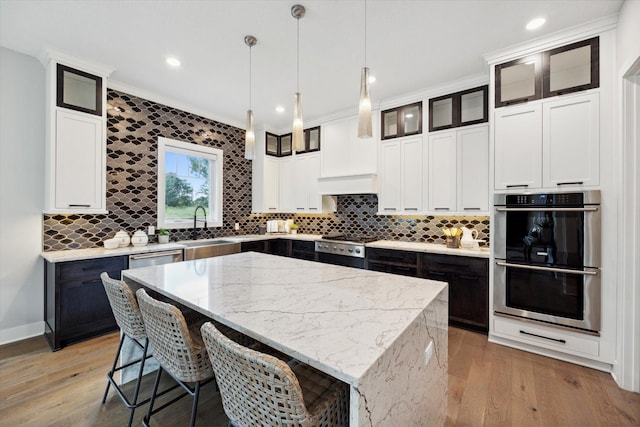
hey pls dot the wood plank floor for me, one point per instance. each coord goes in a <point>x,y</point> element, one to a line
<point>489,385</point>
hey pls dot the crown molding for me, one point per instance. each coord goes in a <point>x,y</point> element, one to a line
<point>559,38</point>
<point>48,55</point>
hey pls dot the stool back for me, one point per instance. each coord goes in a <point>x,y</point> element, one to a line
<point>124,306</point>
<point>173,346</point>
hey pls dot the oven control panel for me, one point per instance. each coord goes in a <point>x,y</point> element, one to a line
<point>552,199</point>
<point>340,248</point>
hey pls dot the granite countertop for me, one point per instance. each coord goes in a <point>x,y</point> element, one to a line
<point>101,252</point>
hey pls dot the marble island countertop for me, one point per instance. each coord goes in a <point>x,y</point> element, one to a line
<point>437,248</point>
<point>365,328</point>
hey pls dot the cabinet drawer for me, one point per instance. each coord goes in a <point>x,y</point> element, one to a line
<point>546,337</point>
<point>391,256</point>
<point>393,269</point>
<point>455,264</point>
<point>255,246</point>
<point>77,270</point>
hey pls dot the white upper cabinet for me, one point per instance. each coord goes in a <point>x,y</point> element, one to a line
<point>570,143</point>
<point>389,196</point>
<point>442,172</point>
<point>265,185</point>
<point>401,176</point>
<point>75,165</point>
<point>551,144</point>
<point>80,162</point>
<point>287,184</point>
<point>473,169</point>
<point>459,171</point>
<point>518,147</point>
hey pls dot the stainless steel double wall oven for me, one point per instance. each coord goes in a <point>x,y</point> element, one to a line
<point>547,258</point>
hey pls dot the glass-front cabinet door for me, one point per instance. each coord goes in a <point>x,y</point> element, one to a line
<point>273,141</point>
<point>78,90</point>
<point>441,113</point>
<point>571,68</point>
<point>285,145</point>
<point>519,80</point>
<point>474,106</point>
<point>402,121</point>
<point>312,139</point>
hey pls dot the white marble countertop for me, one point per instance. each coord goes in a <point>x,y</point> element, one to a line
<point>337,319</point>
<point>101,252</point>
<point>437,248</point>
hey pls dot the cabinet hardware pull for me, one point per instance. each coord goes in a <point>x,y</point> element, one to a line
<point>410,209</point>
<point>554,270</point>
<point>517,185</point>
<point>536,209</point>
<point>472,209</point>
<point>570,183</point>
<point>79,206</point>
<point>437,273</point>
<point>542,336</point>
<point>469,277</point>
<point>156,254</point>
<point>441,209</point>
<point>300,209</point>
<point>313,209</point>
<point>89,282</point>
<point>389,209</point>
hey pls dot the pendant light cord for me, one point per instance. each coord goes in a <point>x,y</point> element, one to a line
<point>298,56</point>
<point>365,33</point>
<point>250,80</point>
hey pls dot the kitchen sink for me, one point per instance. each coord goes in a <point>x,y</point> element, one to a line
<point>207,249</point>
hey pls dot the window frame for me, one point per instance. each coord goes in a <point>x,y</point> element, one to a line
<point>215,157</point>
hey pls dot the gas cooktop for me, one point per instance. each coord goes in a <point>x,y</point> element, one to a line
<point>347,238</point>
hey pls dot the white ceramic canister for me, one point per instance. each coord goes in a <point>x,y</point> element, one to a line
<point>139,238</point>
<point>123,239</point>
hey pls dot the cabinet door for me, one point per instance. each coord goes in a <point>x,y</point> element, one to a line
<point>271,184</point>
<point>311,166</point>
<point>390,196</point>
<point>411,167</point>
<point>571,141</point>
<point>79,162</point>
<point>442,172</point>
<point>287,185</point>
<point>473,169</point>
<point>518,147</point>
<point>469,301</point>
<point>361,152</point>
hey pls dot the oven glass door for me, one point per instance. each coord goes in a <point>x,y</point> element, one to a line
<point>546,292</point>
<point>545,237</point>
<point>343,260</point>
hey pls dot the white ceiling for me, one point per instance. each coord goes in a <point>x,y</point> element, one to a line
<point>411,46</point>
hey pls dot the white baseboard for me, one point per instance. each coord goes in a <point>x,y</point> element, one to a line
<point>21,332</point>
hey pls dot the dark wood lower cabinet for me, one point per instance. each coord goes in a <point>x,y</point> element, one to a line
<point>303,249</point>
<point>254,246</point>
<point>76,307</point>
<point>392,261</point>
<point>468,280</point>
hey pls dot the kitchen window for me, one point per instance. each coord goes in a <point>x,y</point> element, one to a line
<point>189,175</point>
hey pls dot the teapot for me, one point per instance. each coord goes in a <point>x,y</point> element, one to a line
<point>469,236</point>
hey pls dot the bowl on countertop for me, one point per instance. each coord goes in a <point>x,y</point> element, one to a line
<point>111,243</point>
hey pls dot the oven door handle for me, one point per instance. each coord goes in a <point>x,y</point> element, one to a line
<point>535,209</point>
<point>555,270</point>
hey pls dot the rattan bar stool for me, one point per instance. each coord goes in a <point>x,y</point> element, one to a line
<point>125,310</point>
<point>178,349</point>
<point>261,390</point>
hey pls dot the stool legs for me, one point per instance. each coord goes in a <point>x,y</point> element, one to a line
<point>132,405</point>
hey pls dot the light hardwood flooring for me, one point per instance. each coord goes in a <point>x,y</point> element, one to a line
<point>489,385</point>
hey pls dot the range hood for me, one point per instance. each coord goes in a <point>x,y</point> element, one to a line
<point>348,184</point>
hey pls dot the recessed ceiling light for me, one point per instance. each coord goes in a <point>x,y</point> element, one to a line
<point>372,79</point>
<point>535,23</point>
<point>174,62</point>
<point>280,109</point>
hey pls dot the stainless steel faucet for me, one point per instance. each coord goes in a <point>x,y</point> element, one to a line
<point>194,234</point>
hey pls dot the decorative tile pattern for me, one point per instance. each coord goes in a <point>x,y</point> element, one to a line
<point>132,136</point>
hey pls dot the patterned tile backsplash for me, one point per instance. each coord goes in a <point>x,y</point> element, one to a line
<point>132,136</point>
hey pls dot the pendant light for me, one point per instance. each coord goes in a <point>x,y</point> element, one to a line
<point>298,11</point>
<point>364,107</point>
<point>250,136</point>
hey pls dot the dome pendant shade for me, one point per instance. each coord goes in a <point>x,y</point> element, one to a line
<point>298,128</point>
<point>364,109</point>
<point>250,138</point>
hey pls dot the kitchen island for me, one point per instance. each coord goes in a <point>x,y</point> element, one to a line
<point>384,335</point>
